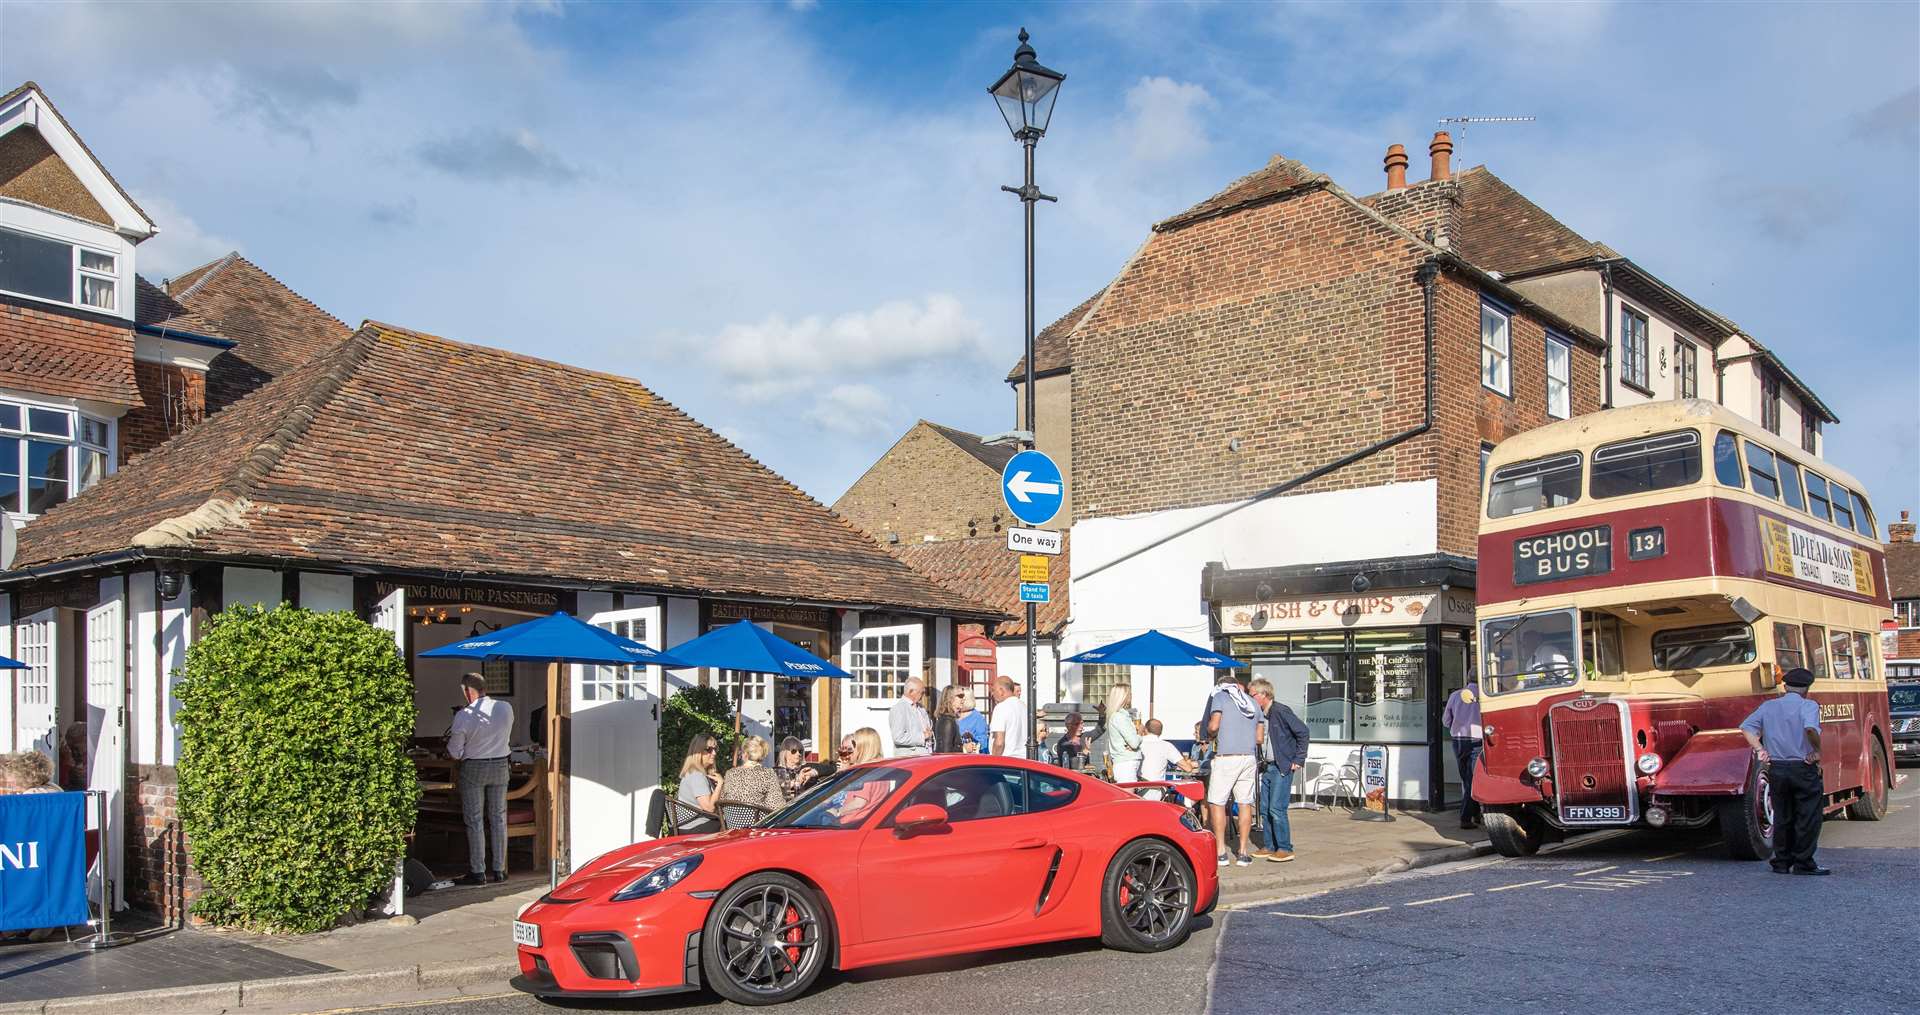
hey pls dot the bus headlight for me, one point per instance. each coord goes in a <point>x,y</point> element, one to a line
<point>1537,768</point>
<point>1657,815</point>
<point>1648,764</point>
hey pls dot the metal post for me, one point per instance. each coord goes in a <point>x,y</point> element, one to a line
<point>1028,194</point>
<point>103,931</point>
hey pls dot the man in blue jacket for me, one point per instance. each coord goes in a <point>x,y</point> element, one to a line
<point>1281,756</point>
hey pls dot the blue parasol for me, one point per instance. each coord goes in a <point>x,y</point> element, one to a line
<point>746,647</point>
<point>1154,650</point>
<point>11,664</point>
<point>560,638</point>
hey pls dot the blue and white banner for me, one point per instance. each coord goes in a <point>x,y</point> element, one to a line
<point>43,860</point>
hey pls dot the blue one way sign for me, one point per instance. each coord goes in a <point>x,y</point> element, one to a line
<point>1032,487</point>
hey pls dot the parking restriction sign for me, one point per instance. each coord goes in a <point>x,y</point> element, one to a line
<point>1033,567</point>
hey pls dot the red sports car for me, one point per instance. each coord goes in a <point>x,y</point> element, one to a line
<point>883,862</point>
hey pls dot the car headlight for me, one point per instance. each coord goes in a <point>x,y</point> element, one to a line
<point>658,880</point>
<point>1537,768</point>
<point>1648,764</point>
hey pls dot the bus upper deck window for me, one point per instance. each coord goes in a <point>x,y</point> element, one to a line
<point>1660,462</point>
<point>1726,460</point>
<point>1842,505</point>
<point>1790,484</point>
<point>1761,470</point>
<point>1817,503</point>
<point>1863,522</point>
<point>1535,485</point>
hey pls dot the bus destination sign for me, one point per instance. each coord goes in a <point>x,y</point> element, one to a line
<point>1575,553</point>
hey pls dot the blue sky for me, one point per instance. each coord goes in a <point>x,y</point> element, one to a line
<point>786,217</point>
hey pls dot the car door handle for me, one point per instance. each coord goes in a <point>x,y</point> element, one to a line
<point>1030,843</point>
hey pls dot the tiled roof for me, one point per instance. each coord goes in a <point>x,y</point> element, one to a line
<point>1279,176</point>
<point>1052,346</point>
<point>414,453</point>
<point>152,306</point>
<point>1903,570</point>
<point>66,354</point>
<point>985,570</point>
<point>992,456</point>
<point>1500,230</point>
<point>276,328</point>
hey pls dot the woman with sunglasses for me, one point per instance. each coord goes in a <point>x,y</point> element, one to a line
<point>700,782</point>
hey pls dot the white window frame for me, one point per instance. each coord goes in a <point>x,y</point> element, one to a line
<point>1906,613</point>
<point>76,272</point>
<point>1496,349</point>
<point>1559,388</point>
<point>1686,368</point>
<point>881,659</point>
<point>1629,360</point>
<point>599,684</point>
<point>77,445</point>
<point>1096,679</point>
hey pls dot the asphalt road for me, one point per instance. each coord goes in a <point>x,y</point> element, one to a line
<point>1617,922</point>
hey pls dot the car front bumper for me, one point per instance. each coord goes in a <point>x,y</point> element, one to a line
<point>613,949</point>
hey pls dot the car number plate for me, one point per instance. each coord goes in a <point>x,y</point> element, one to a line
<point>526,934</point>
<point>1586,813</point>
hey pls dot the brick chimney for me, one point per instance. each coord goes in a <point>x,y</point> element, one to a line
<point>1900,531</point>
<point>1396,167</point>
<point>1442,151</point>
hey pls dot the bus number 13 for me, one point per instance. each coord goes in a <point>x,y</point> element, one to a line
<point>1646,544</point>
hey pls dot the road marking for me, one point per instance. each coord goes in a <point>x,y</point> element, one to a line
<point>1596,870</point>
<point>1669,856</point>
<point>459,999</point>
<point>1443,898</point>
<point>1523,884</point>
<point>1333,916</point>
<point>1584,888</point>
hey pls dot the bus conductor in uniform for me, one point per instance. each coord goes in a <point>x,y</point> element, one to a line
<point>1785,735</point>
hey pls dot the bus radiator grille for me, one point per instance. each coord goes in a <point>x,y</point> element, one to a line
<point>1590,762</point>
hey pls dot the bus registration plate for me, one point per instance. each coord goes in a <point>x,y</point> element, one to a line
<point>1552,556</point>
<point>1576,812</point>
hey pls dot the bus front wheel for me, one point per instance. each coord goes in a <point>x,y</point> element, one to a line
<point>1872,805</point>
<point>1513,833</point>
<point>1746,821</point>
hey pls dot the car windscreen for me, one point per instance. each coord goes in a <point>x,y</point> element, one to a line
<point>1528,652</point>
<point>843,800</point>
<point>1903,697</point>
<point>1536,485</point>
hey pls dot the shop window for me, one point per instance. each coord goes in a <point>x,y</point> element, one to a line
<point>1696,648</point>
<point>1390,686</point>
<point>881,661</point>
<point>1786,646</point>
<point>1309,674</point>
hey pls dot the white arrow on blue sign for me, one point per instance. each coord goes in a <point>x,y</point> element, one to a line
<point>1032,487</point>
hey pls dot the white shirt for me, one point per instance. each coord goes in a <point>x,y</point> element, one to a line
<point>1157,757</point>
<point>1010,717</point>
<point>481,730</point>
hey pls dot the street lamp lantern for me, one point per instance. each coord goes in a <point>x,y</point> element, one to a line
<point>1026,93</point>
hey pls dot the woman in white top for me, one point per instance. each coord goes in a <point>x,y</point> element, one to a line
<point>1123,735</point>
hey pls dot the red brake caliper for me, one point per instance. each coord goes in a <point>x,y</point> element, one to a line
<point>793,951</point>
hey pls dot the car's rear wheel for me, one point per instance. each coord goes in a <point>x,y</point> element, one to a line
<point>766,940</point>
<point>1146,901</point>
<point>1872,805</point>
<point>1746,821</point>
<point>1513,833</point>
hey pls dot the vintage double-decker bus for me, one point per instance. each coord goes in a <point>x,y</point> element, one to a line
<point>1646,576</point>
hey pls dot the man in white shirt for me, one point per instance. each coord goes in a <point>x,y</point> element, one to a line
<point>1156,755</point>
<point>478,740</point>
<point>907,722</point>
<point>1009,725</point>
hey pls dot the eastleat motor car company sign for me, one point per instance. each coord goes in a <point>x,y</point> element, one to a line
<point>1307,613</point>
<point>1794,552</point>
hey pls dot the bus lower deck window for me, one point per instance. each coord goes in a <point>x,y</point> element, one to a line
<point>1786,646</point>
<point>1696,648</point>
<point>1660,462</point>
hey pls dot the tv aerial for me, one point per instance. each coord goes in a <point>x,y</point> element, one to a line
<point>1463,122</point>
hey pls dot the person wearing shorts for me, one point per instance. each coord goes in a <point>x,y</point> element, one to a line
<point>1233,721</point>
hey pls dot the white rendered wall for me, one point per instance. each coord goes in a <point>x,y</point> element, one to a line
<point>250,586</point>
<point>1160,588</point>
<point>326,593</point>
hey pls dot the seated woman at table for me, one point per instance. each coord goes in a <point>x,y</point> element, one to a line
<point>700,783</point>
<point>753,782</point>
<point>795,774</point>
<point>850,805</point>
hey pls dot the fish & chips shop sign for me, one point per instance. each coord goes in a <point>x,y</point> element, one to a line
<point>1308,613</point>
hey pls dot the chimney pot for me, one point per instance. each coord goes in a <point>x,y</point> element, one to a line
<point>1900,531</point>
<point>1442,151</point>
<point>1396,167</point>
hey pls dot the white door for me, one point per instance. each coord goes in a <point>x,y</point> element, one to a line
<point>107,722</point>
<point>36,699</point>
<point>616,744</point>
<point>390,615</point>
<point>9,679</point>
<point>880,659</point>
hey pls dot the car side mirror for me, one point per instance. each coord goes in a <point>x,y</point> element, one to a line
<point>920,818</point>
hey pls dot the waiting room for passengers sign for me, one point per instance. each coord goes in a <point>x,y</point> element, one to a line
<point>1795,552</point>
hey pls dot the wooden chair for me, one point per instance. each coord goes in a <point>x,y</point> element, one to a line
<point>527,813</point>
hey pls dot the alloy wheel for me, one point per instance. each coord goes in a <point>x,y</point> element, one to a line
<point>1155,896</point>
<point>771,939</point>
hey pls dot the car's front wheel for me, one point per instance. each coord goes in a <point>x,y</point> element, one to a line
<point>1146,902</point>
<point>766,940</point>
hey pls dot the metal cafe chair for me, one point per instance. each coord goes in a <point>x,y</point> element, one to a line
<point>681,814</point>
<point>742,815</point>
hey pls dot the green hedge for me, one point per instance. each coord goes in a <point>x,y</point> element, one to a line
<point>296,793</point>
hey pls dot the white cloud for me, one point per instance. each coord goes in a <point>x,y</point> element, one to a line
<point>802,5</point>
<point>891,337</point>
<point>181,244</point>
<point>1164,119</point>
<point>489,153</point>
<point>852,410</point>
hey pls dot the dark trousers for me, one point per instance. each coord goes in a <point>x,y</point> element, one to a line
<point>1799,797</point>
<point>1466,752</point>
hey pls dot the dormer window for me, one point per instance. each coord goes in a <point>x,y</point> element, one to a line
<point>59,271</point>
<point>48,454</point>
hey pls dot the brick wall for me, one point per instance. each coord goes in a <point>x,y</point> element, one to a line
<point>925,486</point>
<point>174,398</point>
<point>160,878</point>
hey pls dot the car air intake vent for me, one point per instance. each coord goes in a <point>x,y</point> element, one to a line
<point>605,956</point>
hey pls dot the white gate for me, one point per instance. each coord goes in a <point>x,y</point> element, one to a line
<point>616,744</point>
<point>390,615</point>
<point>36,719</point>
<point>107,723</point>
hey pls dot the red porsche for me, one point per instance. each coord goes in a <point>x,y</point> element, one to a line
<point>883,862</point>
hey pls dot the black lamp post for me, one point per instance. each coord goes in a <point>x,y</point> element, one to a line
<point>1026,93</point>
